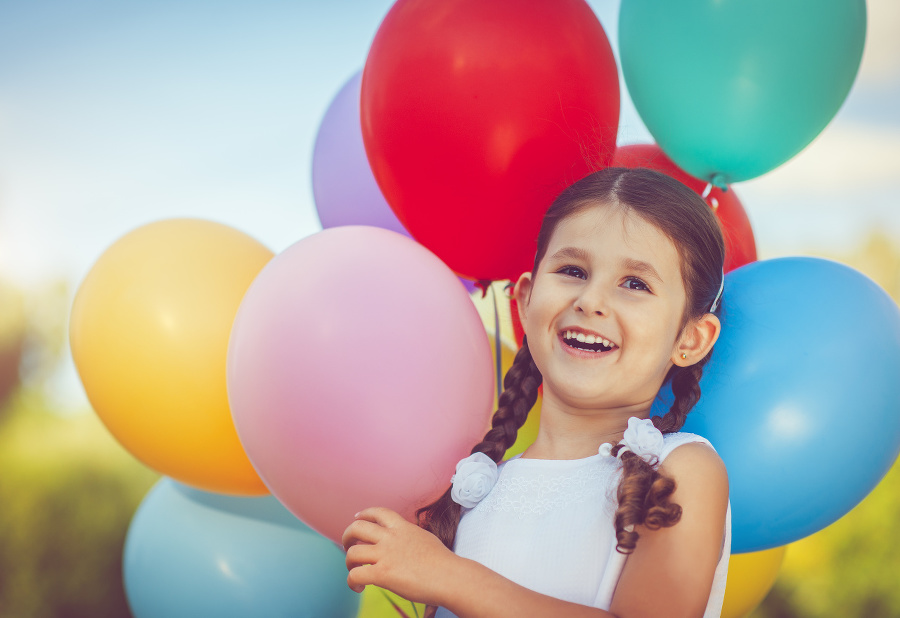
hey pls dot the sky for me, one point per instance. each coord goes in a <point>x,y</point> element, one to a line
<point>114,114</point>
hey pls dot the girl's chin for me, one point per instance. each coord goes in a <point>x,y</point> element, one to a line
<point>583,402</point>
<point>579,398</point>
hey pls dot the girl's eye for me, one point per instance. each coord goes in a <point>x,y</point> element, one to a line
<point>633,283</point>
<point>572,271</point>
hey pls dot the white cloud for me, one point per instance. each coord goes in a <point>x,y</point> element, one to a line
<point>881,56</point>
<point>845,156</point>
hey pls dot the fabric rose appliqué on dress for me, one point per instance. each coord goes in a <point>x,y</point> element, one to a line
<point>641,438</point>
<point>475,477</point>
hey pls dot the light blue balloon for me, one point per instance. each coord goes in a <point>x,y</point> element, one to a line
<point>801,397</point>
<point>190,553</point>
<point>731,89</point>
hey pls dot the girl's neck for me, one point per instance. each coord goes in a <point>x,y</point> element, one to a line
<point>572,433</point>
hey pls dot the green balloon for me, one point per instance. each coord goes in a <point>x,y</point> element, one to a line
<point>731,89</point>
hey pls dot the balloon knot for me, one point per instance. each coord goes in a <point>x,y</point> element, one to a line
<point>719,182</point>
<point>483,285</point>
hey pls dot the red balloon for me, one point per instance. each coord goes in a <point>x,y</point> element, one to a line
<point>476,114</point>
<point>740,245</point>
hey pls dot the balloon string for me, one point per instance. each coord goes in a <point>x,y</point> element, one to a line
<point>497,355</point>
<point>397,607</point>
<point>707,190</point>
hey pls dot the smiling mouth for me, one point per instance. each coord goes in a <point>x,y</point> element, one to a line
<point>588,343</point>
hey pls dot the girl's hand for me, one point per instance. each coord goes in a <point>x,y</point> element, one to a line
<point>385,550</point>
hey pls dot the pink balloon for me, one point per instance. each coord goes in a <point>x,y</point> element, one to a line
<point>345,396</point>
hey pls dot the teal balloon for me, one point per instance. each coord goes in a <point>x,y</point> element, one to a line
<point>731,89</point>
<point>191,553</point>
<point>801,397</point>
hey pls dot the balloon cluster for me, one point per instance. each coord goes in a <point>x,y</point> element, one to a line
<point>352,369</point>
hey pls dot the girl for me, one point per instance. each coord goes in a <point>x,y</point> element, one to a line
<point>626,283</point>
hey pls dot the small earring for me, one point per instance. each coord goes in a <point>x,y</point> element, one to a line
<point>683,356</point>
<point>508,290</point>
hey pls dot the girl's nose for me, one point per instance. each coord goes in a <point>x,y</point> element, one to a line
<point>592,300</point>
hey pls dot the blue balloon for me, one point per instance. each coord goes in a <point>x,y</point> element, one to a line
<point>801,397</point>
<point>191,553</point>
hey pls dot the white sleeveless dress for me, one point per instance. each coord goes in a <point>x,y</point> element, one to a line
<point>548,526</point>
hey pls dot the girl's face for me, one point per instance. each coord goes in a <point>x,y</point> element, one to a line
<point>603,312</point>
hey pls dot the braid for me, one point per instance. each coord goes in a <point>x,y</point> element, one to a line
<point>520,390</point>
<point>686,388</point>
<point>644,492</point>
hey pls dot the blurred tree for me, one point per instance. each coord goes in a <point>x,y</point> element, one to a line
<point>46,331</point>
<point>68,492</point>
<point>12,339</point>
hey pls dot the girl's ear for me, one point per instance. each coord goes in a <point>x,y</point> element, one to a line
<point>522,292</point>
<point>696,340</point>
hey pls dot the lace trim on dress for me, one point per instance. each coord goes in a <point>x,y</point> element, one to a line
<point>544,493</point>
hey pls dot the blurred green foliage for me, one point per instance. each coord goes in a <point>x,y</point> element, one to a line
<point>67,494</point>
<point>12,340</point>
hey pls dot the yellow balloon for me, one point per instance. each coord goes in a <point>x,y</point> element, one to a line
<point>149,334</point>
<point>497,297</point>
<point>375,603</point>
<point>528,432</point>
<point>750,577</point>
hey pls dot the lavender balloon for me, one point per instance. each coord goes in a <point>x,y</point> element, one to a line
<point>344,188</point>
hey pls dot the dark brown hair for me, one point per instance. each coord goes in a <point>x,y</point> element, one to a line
<point>681,214</point>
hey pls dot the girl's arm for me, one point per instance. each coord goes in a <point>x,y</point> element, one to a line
<point>670,572</point>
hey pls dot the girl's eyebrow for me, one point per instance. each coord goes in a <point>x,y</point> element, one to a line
<point>570,253</point>
<point>644,269</point>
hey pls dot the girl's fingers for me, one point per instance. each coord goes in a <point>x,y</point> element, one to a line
<point>359,555</point>
<point>361,531</point>
<point>359,577</point>
<point>381,516</point>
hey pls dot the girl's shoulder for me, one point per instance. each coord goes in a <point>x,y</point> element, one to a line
<point>672,441</point>
<point>688,455</point>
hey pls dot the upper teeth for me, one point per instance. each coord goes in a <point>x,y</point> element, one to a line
<point>587,338</point>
